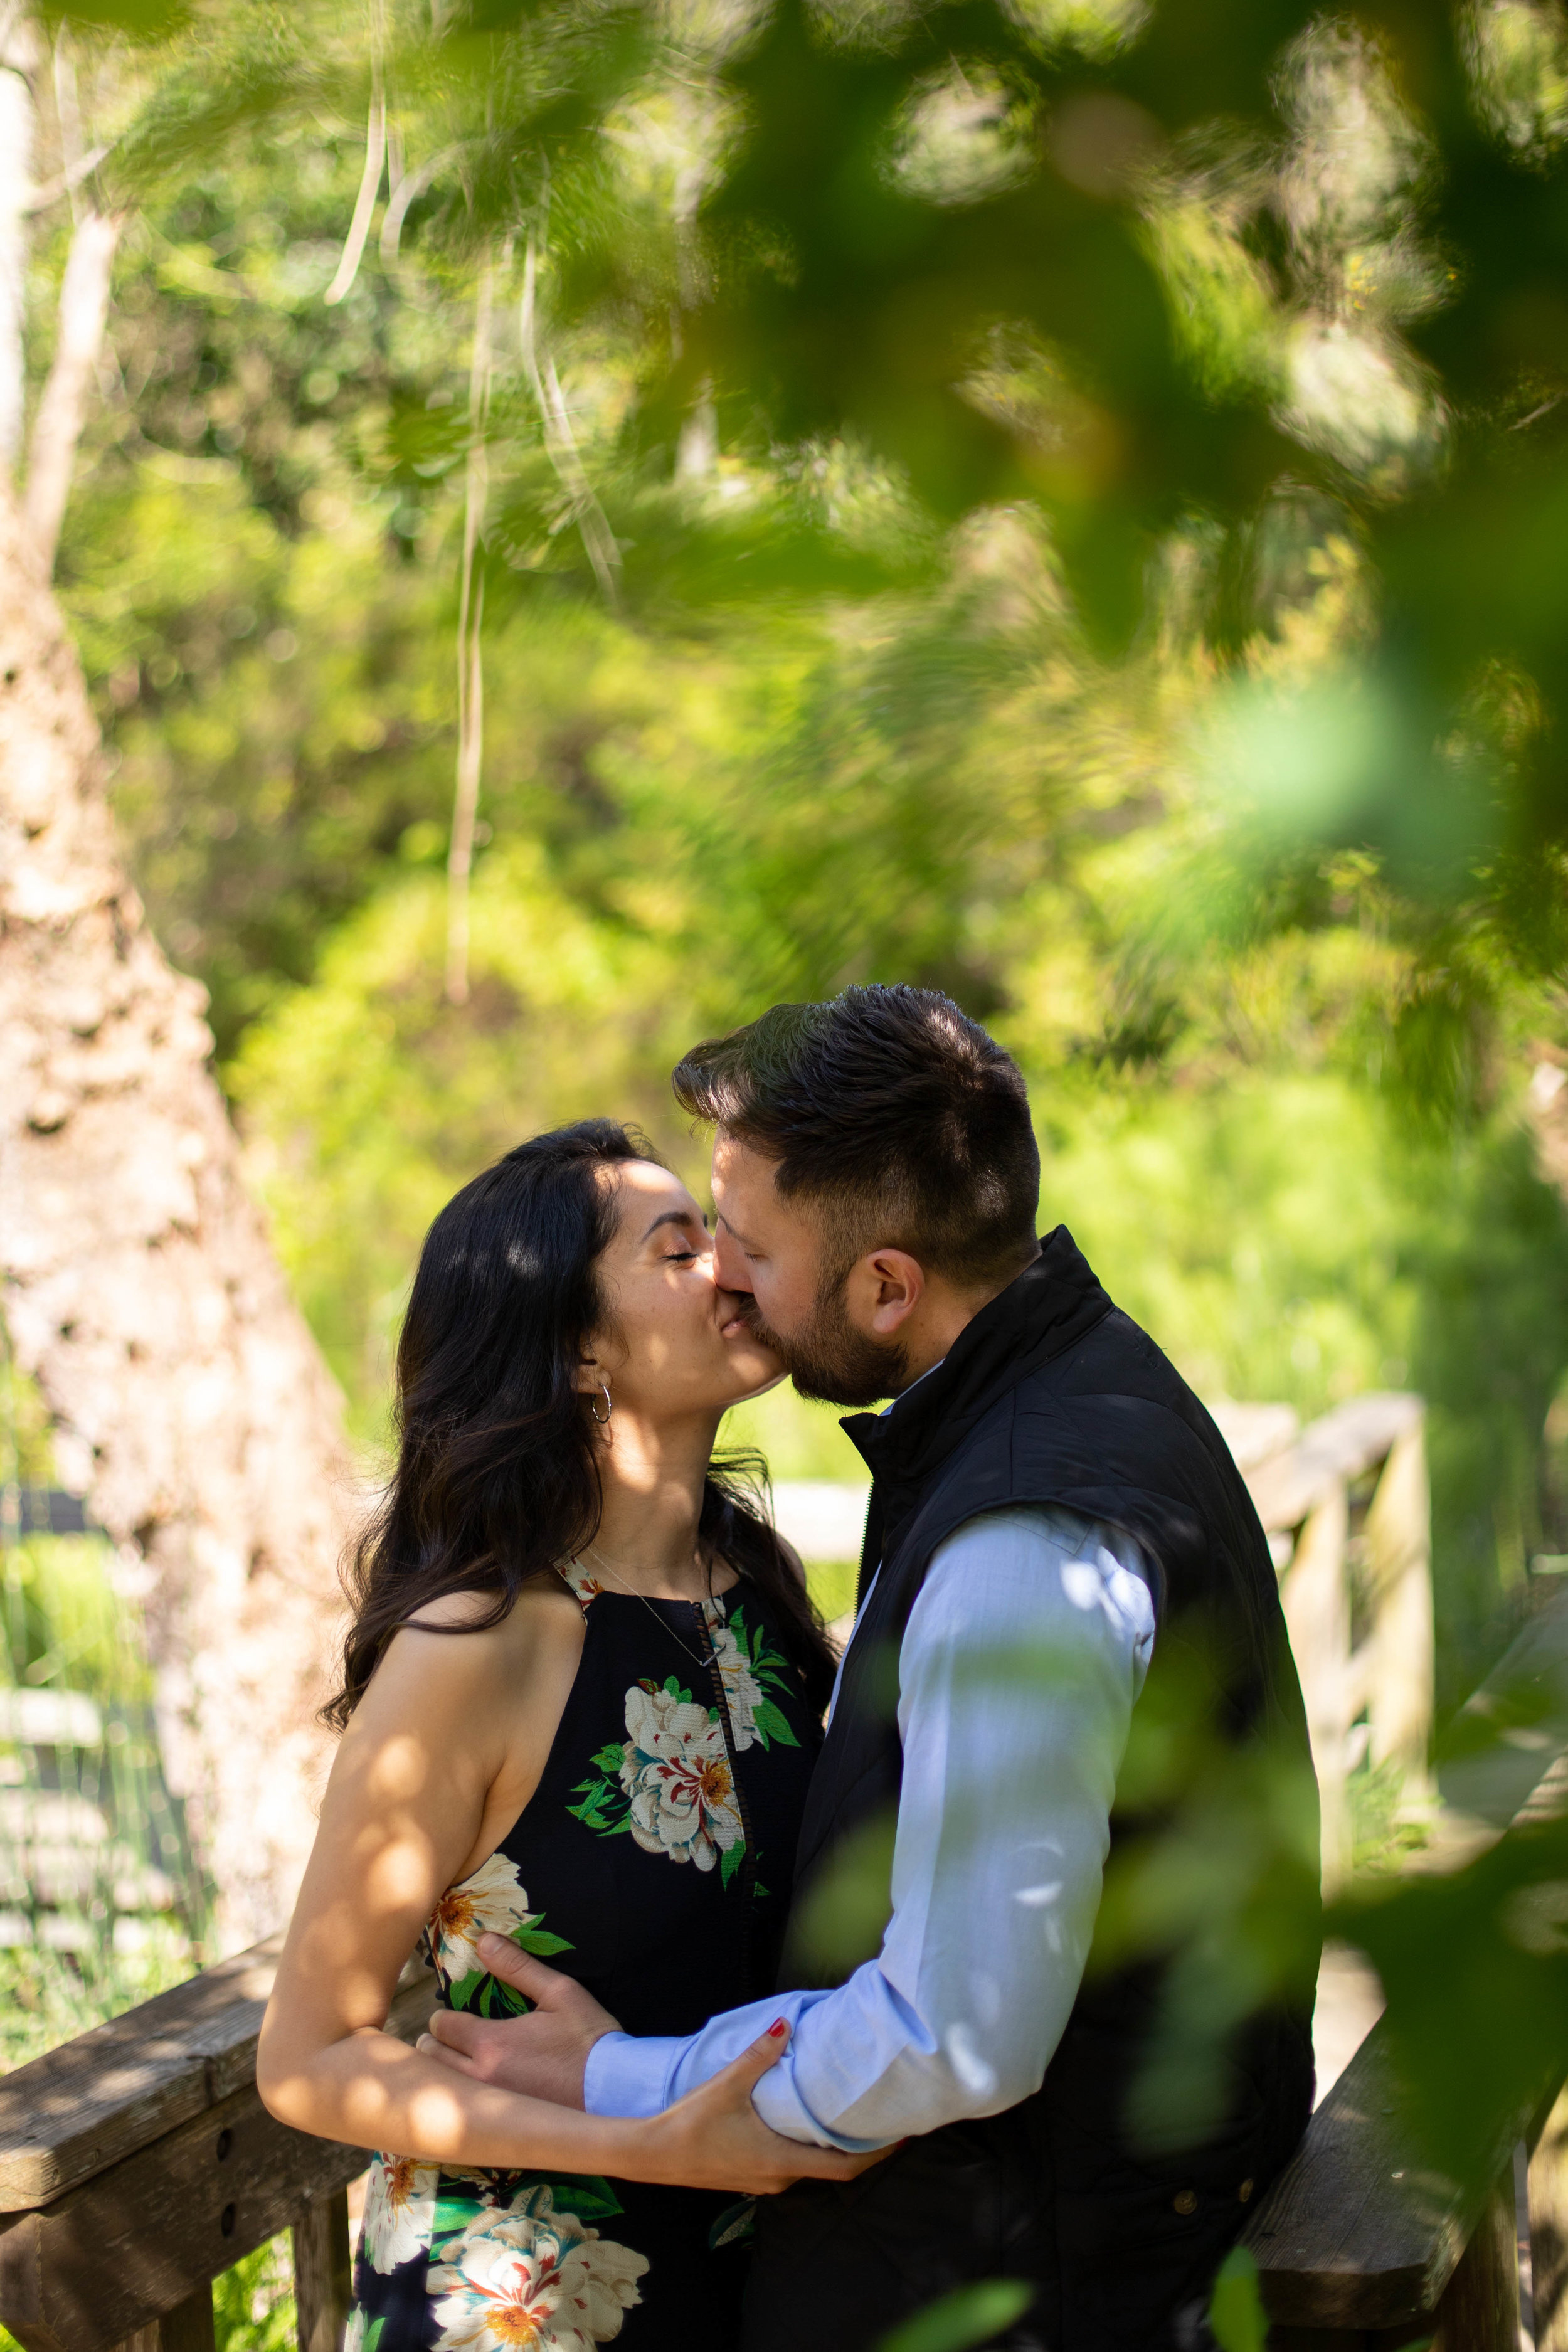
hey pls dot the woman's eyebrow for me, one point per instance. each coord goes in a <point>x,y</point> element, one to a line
<point>674,1217</point>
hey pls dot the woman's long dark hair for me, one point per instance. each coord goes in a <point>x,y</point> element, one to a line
<point>496,1474</point>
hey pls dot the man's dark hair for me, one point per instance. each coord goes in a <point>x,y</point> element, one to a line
<point>892,1114</point>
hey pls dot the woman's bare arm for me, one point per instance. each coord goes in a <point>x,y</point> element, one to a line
<point>442,1754</point>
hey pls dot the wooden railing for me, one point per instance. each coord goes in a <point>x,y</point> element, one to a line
<point>137,2164</point>
<point>1362,2247</point>
<point>1345,1506</point>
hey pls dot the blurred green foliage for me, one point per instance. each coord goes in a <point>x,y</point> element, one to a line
<point>741,788</point>
<point>1064,502</point>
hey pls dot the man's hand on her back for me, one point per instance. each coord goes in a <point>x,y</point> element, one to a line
<point>543,2054</point>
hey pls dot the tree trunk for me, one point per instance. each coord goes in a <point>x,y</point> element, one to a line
<point>17,54</point>
<point>189,1399</point>
<point>62,406</point>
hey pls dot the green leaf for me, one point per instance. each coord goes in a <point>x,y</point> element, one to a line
<point>540,1942</point>
<point>590,2197</point>
<point>735,2225</point>
<point>460,1995</point>
<point>730,1861</point>
<point>966,2316</point>
<point>768,1719</point>
<point>372,2335</point>
<point>610,1759</point>
<point>1235,2312</point>
<point>595,1793</point>
<point>454,2213</point>
<point>672,1684</point>
<point>502,1998</point>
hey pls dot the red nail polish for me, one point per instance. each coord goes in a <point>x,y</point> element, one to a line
<point>780,2025</point>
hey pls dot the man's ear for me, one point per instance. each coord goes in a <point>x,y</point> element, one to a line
<point>882,1290</point>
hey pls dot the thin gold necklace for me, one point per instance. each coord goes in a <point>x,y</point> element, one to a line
<point>698,1656</point>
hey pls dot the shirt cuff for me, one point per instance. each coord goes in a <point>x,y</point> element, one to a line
<point>628,2075</point>
<point>780,2106</point>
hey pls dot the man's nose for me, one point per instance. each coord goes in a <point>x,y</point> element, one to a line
<point>730,1263</point>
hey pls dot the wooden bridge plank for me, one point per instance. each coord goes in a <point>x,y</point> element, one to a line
<point>78,2109</point>
<point>1357,2232</point>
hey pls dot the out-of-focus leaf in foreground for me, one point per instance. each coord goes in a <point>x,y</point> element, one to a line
<point>969,2315</point>
<point>1213,1875</point>
<point>1236,2310</point>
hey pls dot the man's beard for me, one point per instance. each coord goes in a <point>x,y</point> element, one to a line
<point>830,1360</point>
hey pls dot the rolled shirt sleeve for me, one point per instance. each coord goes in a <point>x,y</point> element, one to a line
<point>1023,1657</point>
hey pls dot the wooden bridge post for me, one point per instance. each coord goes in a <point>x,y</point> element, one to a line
<point>1549,2231</point>
<point>1316,1601</point>
<point>187,2328</point>
<point>1480,2308</point>
<point>1400,1668</point>
<point>323,2265</point>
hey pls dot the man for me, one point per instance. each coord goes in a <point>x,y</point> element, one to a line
<point>1051,1506</point>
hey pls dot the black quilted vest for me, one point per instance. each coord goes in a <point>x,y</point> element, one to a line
<point>1050,1395</point>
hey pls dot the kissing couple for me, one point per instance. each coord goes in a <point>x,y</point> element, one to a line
<point>767,2007</point>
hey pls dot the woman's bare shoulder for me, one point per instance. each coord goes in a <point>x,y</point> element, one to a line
<point>543,1597</point>
<point>447,1646</point>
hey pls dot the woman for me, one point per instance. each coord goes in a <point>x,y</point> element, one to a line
<point>579,1710</point>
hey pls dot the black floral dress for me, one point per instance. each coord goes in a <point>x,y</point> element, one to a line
<point>653,1863</point>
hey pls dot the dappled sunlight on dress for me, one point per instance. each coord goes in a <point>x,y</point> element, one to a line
<point>653,1862</point>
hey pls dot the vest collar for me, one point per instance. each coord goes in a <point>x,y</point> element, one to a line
<point>1043,1311</point>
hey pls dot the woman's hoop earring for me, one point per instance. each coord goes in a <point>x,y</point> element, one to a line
<point>601,1418</point>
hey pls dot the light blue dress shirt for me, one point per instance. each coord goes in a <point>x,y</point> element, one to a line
<point>1020,1664</point>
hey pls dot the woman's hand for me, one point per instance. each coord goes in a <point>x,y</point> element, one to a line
<point>714,2137</point>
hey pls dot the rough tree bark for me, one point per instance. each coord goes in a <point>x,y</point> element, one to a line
<point>139,1291</point>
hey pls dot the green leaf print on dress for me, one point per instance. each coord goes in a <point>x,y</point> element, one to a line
<point>490,1901</point>
<point>532,2275</point>
<point>748,1669</point>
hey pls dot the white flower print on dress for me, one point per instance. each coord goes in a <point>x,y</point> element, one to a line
<point>676,1773</point>
<point>583,1582</point>
<point>528,2278</point>
<point>489,1901</point>
<point>399,2209</point>
<point>743,1692</point>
